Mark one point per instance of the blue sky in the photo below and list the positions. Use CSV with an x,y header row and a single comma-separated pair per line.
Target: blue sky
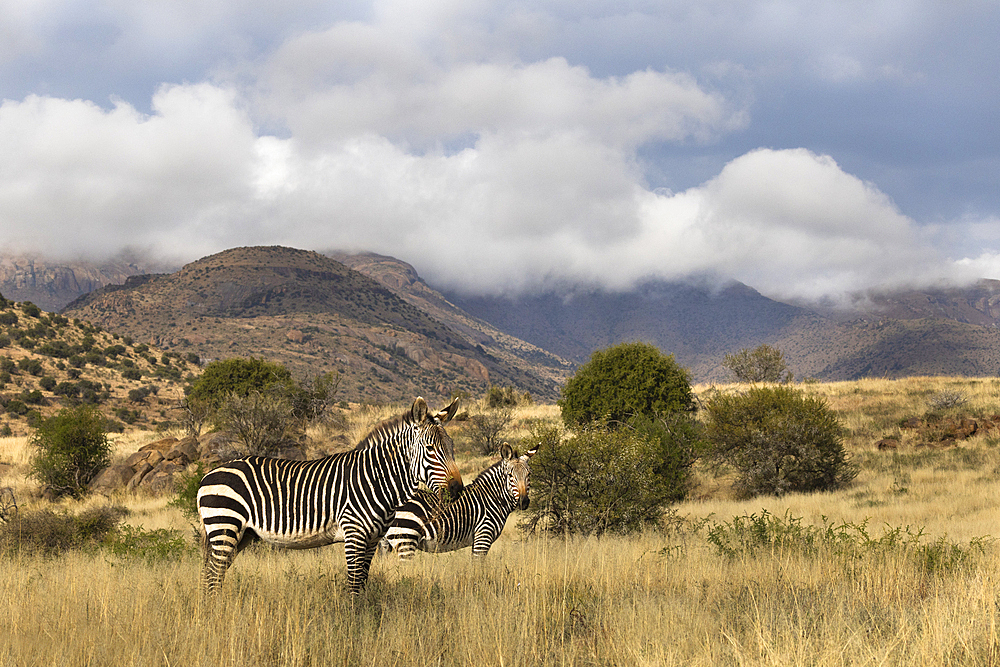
x,y
808,149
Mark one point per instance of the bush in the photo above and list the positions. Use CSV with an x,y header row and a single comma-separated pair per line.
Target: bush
x,y
486,430
779,440
505,397
603,480
761,364
238,376
186,485
70,449
45,532
261,423
624,381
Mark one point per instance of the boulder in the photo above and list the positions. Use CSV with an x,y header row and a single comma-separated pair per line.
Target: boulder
x,y
141,471
150,456
164,445
112,478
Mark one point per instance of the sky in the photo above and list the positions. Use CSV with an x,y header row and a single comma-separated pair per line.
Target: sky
x,y
810,149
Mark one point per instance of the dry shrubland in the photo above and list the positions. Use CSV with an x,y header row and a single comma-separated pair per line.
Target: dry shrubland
x,y
898,568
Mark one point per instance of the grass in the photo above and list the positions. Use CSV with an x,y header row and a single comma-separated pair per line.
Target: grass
x,y
900,568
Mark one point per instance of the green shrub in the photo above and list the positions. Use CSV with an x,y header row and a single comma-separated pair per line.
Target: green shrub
x,y
779,440
238,376
70,448
761,364
624,381
134,543
603,480
186,489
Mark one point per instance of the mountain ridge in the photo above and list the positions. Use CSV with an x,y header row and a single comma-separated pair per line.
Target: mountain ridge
x,y
535,341
311,313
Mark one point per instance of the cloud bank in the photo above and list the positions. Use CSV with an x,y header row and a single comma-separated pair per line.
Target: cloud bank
x,y
424,134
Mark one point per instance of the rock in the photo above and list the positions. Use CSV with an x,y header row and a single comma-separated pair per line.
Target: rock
x,y
161,480
186,450
164,445
112,478
887,444
150,456
141,471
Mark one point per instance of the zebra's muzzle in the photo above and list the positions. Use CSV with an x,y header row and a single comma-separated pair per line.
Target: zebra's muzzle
x,y
523,502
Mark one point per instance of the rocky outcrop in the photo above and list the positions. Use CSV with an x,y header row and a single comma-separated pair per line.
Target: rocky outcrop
x,y
153,468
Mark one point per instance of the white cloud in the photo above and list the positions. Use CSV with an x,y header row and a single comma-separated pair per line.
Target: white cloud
x,y
497,146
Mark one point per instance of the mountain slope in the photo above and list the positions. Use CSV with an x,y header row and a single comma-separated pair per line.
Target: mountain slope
x,y
402,279
51,285
698,323
309,312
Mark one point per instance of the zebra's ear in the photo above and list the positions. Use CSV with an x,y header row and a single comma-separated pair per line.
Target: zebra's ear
x,y
528,454
506,452
445,415
419,410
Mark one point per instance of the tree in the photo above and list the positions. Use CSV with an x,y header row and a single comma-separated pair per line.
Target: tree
x,y
70,448
624,381
761,364
608,480
779,440
486,429
238,376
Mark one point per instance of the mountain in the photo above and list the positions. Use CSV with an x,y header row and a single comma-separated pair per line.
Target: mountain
x,y
51,285
394,334
402,279
309,312
697,322
937,332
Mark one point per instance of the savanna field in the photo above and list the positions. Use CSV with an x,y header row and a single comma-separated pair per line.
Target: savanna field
x,y
901,567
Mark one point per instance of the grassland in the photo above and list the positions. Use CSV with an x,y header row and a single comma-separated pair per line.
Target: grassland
x,y
899,568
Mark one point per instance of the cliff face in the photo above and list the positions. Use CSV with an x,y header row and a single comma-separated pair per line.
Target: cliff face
x,y
51,285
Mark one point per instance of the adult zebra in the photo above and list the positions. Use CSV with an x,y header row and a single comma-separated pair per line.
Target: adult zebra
x,y
347,497
477,518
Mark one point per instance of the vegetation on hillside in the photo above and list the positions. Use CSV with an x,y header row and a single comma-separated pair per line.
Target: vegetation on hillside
x,y
49,362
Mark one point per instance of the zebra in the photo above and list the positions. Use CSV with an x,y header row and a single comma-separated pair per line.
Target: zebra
x,y
476,518
347,497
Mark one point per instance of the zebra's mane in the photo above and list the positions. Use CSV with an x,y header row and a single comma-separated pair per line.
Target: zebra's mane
x,y
484,471
384,428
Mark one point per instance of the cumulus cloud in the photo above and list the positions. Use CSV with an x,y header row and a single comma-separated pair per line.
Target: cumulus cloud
x,y
476,141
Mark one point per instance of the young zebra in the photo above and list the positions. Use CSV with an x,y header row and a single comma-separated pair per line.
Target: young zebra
x,y
476,518
347,497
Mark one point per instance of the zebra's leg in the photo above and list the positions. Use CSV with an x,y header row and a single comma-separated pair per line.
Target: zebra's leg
x,y
219,549
359,553
482,542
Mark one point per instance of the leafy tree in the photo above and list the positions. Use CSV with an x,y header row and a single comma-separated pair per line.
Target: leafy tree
x,y
761,364
70,448
601,480
779,440
624,381
238,376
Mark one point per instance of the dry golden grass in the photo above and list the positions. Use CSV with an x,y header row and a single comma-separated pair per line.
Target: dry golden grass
x,y
660,598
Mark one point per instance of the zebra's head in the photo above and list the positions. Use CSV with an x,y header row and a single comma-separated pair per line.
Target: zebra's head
x,y
519,474
434,460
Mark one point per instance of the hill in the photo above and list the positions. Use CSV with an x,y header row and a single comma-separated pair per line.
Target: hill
x,y
309,312
48,361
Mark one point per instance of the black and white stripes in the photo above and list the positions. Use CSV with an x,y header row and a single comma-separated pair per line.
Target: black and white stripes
x,y
476,519
348,497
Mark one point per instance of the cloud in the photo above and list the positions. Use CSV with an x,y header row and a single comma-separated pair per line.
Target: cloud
x,y
496,146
